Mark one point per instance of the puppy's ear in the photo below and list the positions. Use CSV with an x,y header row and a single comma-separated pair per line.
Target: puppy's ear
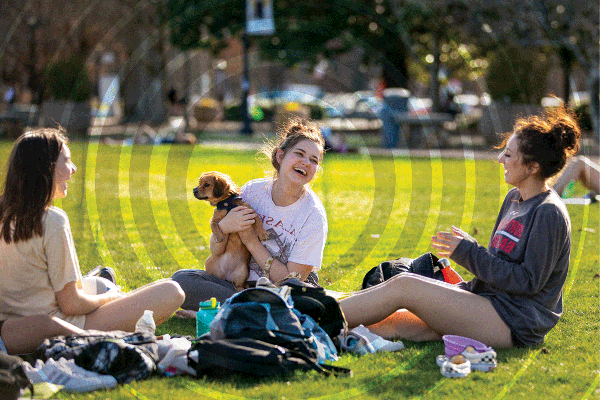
x,y
219,187
233,188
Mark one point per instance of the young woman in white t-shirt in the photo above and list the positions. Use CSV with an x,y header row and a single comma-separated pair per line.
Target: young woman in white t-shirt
x,y
290,211
39,269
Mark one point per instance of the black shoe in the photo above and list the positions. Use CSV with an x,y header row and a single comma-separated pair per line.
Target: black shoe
x,y
108,273
104,272
592,196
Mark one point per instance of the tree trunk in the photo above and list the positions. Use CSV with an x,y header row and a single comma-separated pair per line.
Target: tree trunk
x,y
395,68
435,70
566,58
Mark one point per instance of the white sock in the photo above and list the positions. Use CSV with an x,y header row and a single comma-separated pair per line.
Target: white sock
x,y
380,344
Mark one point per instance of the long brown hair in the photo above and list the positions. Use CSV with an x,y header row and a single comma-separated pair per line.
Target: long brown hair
x,y
29,185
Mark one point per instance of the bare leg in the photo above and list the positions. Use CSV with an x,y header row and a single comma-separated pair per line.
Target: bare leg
x,y
24,334
582,169
404,325
445,308
162,297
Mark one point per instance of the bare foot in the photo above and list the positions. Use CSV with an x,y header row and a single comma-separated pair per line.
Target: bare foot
x,y
185,314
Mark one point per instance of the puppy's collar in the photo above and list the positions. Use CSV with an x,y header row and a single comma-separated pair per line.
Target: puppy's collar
x,y
229,203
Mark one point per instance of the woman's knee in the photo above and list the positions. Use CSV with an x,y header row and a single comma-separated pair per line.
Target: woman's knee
x,y
173,291
404,280
186,277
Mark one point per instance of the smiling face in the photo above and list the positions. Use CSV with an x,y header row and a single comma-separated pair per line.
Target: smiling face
x,y
515,171
63,171
300,163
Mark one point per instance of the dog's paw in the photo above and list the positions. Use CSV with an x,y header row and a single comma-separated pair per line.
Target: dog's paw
x,y
218,237
264,236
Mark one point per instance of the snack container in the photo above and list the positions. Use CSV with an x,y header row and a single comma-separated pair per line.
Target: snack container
x,y
206,313
457,344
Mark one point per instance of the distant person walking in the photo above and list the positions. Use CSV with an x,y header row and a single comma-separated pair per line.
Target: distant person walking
x,y
10,97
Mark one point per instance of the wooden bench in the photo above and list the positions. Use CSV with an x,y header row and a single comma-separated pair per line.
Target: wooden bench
x,y
419,130
13,122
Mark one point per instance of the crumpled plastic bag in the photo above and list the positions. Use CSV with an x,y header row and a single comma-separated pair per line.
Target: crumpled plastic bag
x,y
172,353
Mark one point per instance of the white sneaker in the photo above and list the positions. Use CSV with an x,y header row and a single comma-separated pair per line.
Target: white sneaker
x,y
380,344
456,367
355,343
67,374
484,361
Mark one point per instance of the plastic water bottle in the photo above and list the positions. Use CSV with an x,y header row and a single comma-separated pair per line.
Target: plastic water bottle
x,y
569,190
206,313
146,323
450,275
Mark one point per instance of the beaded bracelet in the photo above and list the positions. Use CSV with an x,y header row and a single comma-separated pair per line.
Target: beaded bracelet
x,y
268,265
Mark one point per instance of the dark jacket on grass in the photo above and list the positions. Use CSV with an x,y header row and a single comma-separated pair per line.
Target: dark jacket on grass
x,y
524,268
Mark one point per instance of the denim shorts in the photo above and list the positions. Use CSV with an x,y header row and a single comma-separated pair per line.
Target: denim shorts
x,y
2,347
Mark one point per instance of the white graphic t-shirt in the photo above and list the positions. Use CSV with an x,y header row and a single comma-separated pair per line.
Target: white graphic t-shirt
x,y
297,232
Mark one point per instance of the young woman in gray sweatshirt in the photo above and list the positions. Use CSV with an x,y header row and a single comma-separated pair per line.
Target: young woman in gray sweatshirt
x,y
516,295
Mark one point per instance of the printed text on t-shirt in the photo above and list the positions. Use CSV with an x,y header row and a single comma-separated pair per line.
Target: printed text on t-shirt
x,y
269,222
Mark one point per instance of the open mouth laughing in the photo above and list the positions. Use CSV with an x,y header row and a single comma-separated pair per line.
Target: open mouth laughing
x,y
300,171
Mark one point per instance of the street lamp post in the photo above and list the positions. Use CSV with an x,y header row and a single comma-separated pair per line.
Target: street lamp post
x,y
32,23
186,71
247,127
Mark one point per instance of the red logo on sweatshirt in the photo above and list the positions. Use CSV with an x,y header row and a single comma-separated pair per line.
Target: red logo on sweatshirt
x,y
507,236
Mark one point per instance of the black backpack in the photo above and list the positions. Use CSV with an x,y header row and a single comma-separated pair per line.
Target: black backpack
x,y
425,265
220,358
266,313
12,377
320,306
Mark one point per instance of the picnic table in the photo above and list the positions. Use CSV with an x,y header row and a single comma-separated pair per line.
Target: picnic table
x,y
13,122
419,130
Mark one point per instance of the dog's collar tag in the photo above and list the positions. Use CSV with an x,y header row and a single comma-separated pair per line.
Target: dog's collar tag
x,y
229,203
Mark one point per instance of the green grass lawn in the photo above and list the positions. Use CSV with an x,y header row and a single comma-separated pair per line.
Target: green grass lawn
x,y
132,208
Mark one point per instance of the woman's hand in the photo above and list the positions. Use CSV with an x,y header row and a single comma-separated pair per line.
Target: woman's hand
x,y
111,295
237,220
446,242
74,301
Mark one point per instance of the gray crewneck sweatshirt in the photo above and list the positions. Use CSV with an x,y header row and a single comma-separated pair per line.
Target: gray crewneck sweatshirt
x,y
524,268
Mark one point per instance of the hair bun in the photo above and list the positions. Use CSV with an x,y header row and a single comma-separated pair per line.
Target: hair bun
x,y
566,132
294,128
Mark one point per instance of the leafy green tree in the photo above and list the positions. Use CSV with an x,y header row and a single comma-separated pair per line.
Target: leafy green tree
x,y
518,82
569,28
305,31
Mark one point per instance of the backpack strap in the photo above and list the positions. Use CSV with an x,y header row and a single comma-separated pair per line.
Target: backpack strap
x,y
338,371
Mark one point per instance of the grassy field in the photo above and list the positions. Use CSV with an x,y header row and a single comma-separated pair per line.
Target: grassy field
x,y
132,208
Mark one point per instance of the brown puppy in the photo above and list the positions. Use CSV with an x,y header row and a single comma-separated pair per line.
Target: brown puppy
x,y
220,191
